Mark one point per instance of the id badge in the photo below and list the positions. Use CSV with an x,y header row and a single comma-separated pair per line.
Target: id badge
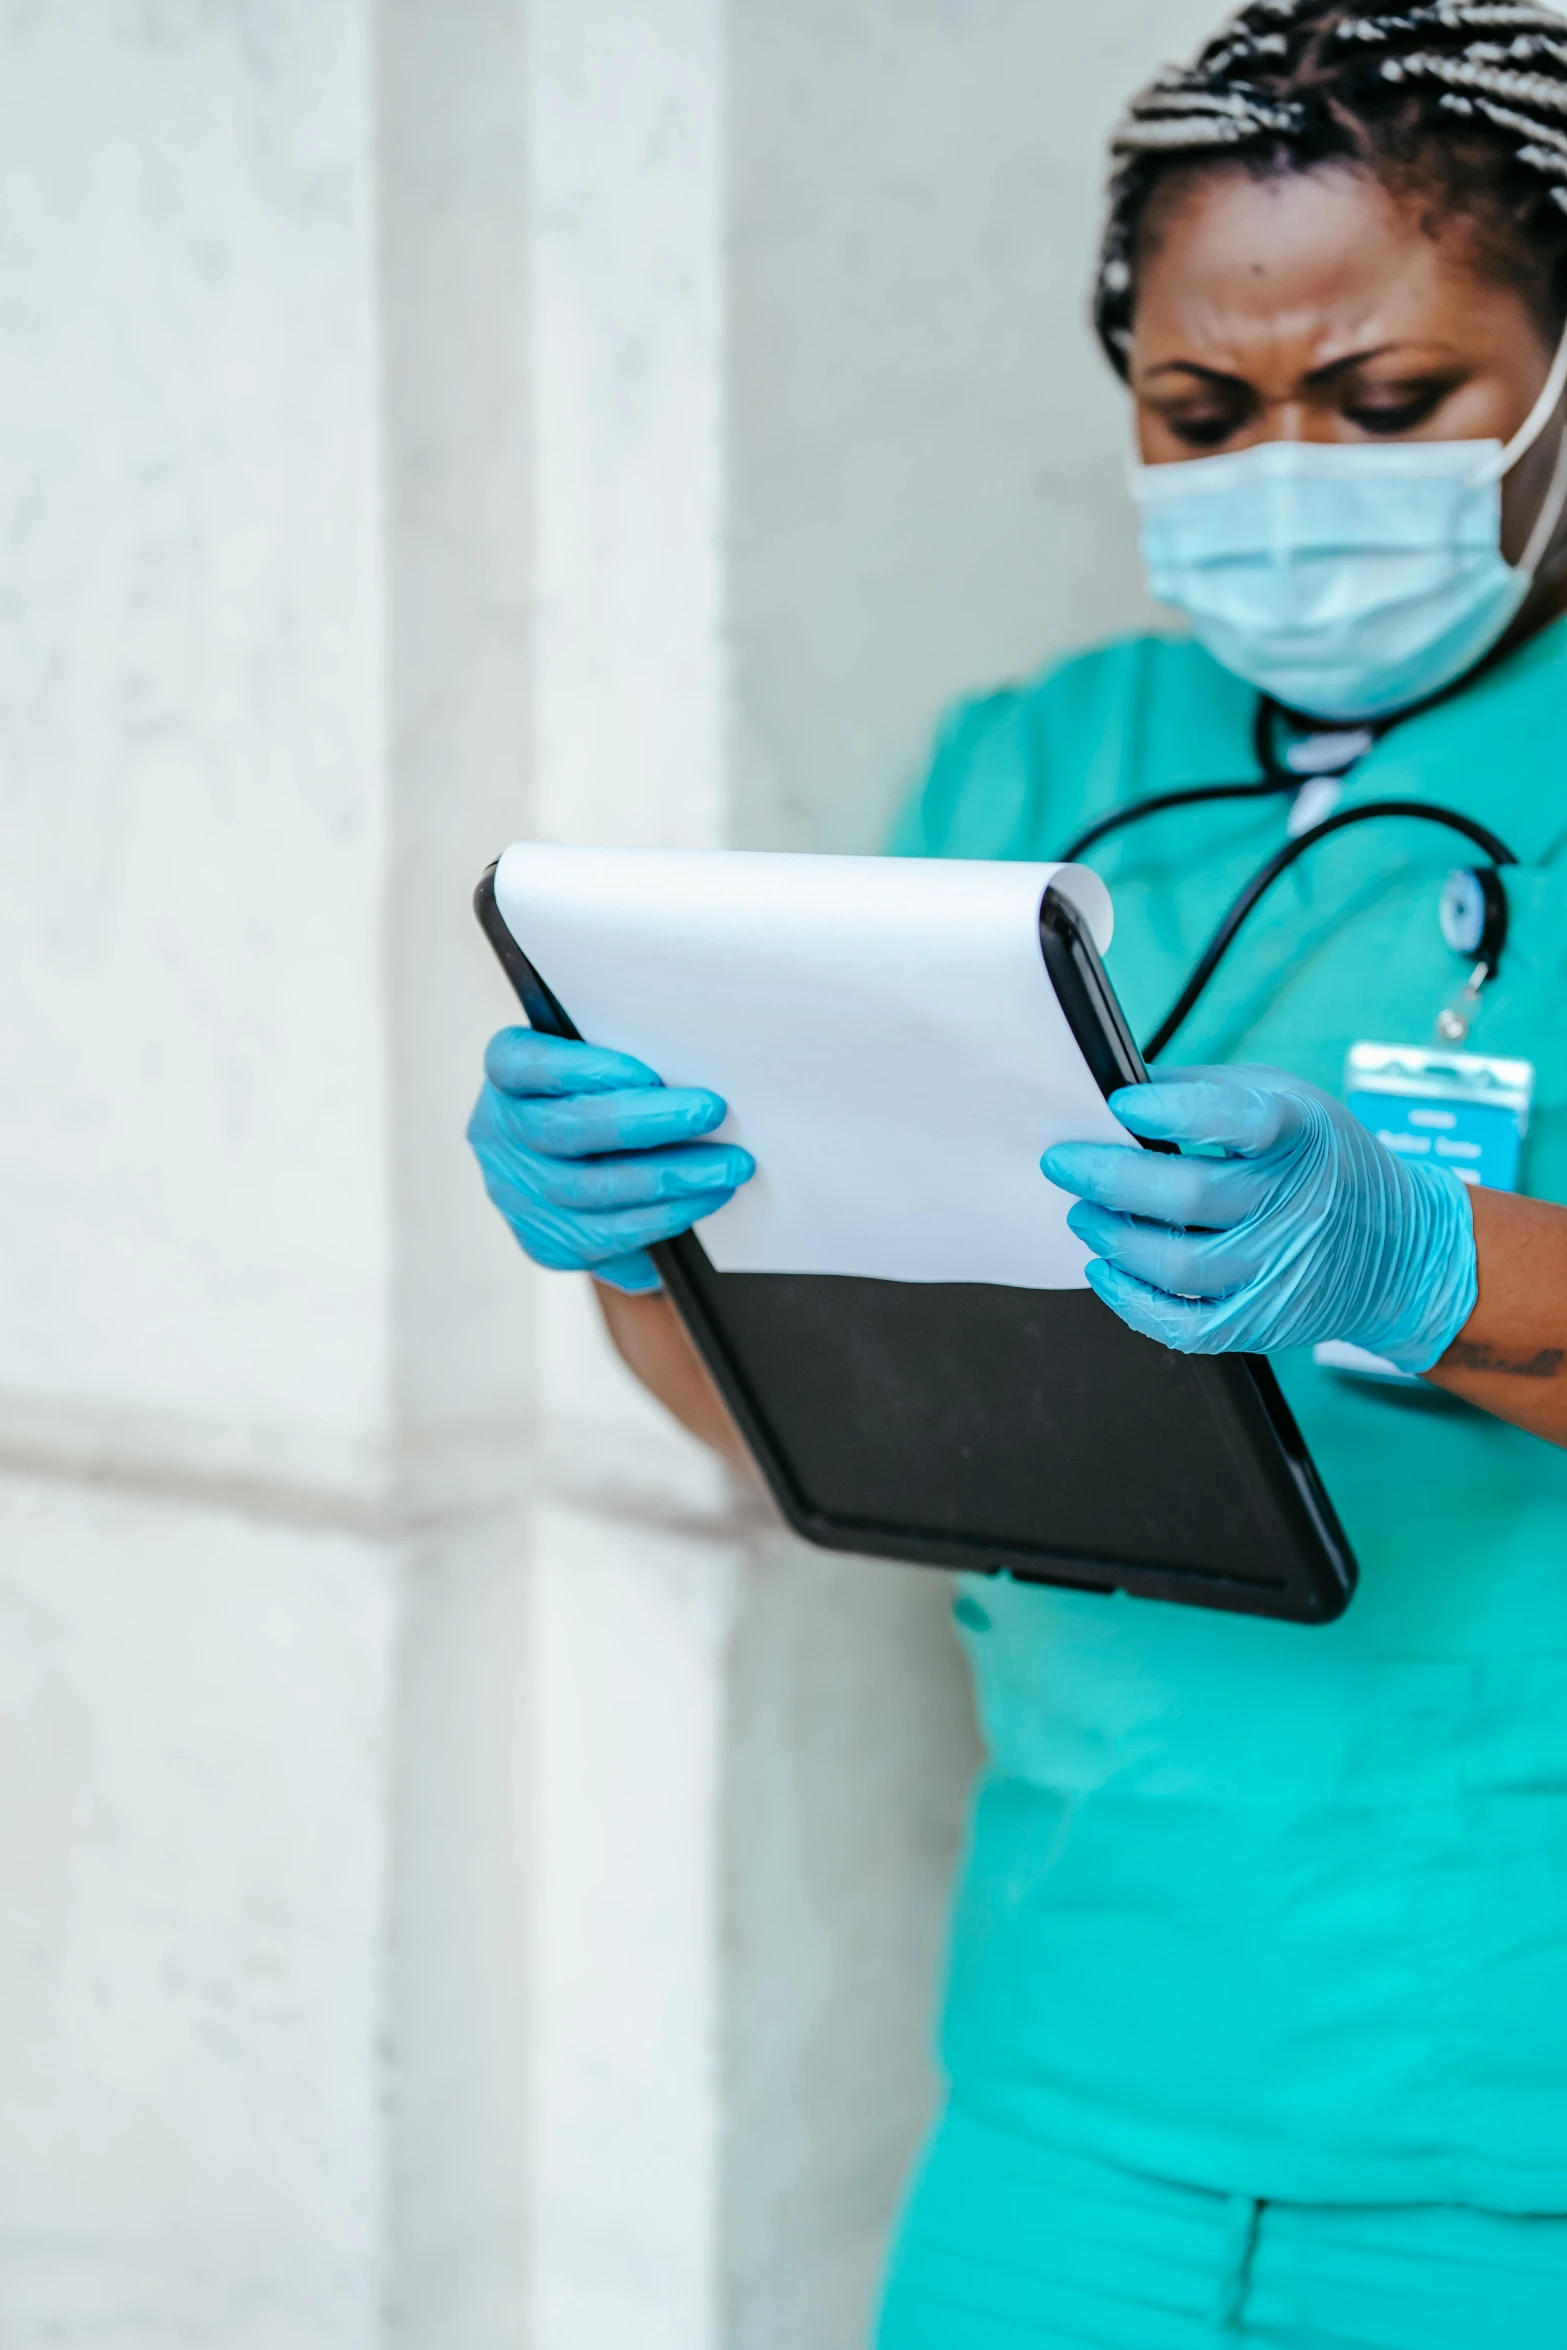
x,y
1465,1111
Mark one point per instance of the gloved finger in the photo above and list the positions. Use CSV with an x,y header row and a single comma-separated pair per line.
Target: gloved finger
x,y
1223,1108
1211,1192
525,1061
632,1179
635,1275
590,1125
1164,1257
1177,1322
568,1242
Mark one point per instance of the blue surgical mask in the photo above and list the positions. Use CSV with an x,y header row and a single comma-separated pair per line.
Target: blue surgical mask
x,y
1347,582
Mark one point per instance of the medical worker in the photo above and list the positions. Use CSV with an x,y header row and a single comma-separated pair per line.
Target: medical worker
x,y
1255,2025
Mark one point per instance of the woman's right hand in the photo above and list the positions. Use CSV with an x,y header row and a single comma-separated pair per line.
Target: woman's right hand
x,y
591,1158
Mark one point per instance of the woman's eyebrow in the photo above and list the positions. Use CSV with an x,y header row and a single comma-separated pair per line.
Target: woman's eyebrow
x,y
1314,378
1212,375
1333,367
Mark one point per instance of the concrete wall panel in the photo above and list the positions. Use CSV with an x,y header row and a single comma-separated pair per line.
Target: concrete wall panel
x,y
627,2120
626,145
192,835
851,1746
927,447
193,1872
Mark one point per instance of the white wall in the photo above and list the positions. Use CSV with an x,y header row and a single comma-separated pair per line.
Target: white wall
x,y
465,1878
450,93
193,1759
195,1190
191,731
929,450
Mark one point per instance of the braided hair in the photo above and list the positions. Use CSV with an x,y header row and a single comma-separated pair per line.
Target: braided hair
x,y
1461,100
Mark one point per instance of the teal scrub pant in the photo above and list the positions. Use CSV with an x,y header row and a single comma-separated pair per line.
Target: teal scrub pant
x,y
1006,2246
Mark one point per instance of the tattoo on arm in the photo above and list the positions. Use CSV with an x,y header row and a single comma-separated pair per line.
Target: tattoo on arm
x,y
1466,1355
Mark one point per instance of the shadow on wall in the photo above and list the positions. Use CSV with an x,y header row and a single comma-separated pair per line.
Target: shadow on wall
x,y
927,449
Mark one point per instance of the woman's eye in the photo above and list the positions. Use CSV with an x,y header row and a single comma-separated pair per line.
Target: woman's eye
x,y
1206,431
1396,416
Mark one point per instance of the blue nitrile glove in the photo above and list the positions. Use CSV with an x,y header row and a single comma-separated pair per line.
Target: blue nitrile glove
x,y
1303,1228
590,1158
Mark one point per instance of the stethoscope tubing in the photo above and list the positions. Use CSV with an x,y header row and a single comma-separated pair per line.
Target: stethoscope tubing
x,y
1263,879
1275,778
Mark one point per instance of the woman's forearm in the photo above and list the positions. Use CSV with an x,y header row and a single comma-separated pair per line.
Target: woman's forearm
x,y
651,1340
1511,1356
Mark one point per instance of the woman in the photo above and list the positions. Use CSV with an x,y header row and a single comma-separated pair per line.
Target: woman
x,y
1259,1968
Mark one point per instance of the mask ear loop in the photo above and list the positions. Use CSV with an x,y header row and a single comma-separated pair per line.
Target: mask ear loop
x,y
1518,447
1538,417
1549,516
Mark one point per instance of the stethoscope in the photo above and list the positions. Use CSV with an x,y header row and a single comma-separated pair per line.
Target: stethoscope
x,y
1473,911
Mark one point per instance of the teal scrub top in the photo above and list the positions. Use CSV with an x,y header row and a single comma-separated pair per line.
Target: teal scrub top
x,y
1274,1910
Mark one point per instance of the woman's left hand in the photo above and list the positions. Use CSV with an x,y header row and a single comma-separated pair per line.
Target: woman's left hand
x,y
1299,1226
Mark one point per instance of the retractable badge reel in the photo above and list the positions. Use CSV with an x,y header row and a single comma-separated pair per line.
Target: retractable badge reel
x,y
1456,1109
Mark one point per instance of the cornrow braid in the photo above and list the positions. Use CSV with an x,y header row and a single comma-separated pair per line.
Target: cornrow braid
x,y
1468,97
1465,73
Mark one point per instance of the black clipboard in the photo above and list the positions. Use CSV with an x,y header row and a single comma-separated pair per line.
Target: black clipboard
x,y
999,1430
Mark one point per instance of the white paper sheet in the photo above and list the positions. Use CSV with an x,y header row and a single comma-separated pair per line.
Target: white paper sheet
x,y
883,1030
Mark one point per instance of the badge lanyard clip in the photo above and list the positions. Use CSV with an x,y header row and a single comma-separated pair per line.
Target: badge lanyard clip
x,y
1456,1018
1473,916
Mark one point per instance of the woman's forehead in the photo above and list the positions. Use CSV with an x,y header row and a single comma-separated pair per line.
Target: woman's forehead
x,y
1241,269
1461,107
